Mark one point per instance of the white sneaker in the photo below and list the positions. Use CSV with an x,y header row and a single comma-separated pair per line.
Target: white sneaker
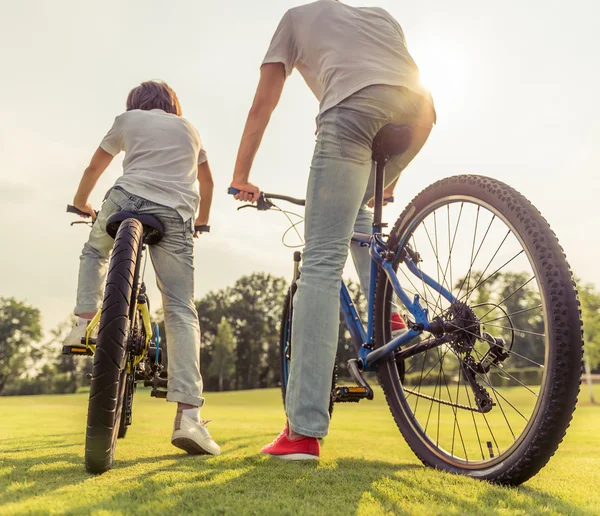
x,y
193,437
77,333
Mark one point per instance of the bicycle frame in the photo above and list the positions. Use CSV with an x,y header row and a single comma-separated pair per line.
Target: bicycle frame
x,y
380,262
142,307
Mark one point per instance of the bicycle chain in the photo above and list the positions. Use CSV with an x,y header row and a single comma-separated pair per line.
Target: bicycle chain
x,y
442,402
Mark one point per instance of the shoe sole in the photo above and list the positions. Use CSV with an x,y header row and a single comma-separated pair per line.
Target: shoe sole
x,y
294,456
190,446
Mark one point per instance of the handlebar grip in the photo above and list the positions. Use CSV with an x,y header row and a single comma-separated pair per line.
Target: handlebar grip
x,y
389,199
233,191
72,209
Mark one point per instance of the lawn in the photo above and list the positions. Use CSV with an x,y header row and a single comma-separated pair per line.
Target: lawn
x,y
366,468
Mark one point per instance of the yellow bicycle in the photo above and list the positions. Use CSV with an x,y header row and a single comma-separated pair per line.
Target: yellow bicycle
x,y
126,349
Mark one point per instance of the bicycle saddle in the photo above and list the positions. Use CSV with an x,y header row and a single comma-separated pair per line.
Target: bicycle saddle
x,y
391,140
153,228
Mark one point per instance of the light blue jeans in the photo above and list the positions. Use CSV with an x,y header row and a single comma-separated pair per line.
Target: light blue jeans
x,y
340,184
173,260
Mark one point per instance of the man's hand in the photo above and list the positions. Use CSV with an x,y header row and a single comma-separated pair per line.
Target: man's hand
x,y
387,193
248,191
87,208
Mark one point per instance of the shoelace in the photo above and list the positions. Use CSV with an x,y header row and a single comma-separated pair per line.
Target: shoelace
x,y
281,434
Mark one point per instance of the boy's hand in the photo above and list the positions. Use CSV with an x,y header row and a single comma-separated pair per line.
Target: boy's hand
x,y
87,208
199,222
387,193
248,191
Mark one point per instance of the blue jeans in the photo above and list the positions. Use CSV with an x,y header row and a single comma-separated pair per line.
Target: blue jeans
x,y
173,261
340,184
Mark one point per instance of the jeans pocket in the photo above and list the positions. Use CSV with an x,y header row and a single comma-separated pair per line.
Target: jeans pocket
x,y
177,238
355,130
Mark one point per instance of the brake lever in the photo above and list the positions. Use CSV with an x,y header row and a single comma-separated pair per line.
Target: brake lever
x,y
247,206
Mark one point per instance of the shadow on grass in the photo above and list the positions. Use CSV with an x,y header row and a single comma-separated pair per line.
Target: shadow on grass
x,y
176,483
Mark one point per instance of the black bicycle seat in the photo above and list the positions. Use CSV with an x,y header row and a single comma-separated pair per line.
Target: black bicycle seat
x,y
153,228
391,140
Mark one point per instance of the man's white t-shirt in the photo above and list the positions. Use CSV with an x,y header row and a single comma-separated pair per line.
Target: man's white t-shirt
x,y
340,50
162,153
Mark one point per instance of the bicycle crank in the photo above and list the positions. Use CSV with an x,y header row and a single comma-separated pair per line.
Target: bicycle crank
x,y
353,394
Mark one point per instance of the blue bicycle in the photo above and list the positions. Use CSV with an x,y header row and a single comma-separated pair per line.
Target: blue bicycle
x,y
485,379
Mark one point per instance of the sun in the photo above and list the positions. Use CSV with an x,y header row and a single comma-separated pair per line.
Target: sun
x,y
444,71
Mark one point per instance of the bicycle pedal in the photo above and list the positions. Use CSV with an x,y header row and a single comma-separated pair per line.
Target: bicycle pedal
x,y
347,394
91,341
76,350
155,383
155,393
355,370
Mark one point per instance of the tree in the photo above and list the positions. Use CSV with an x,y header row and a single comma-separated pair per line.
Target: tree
x,y
255,306
19,328
222,365
590,312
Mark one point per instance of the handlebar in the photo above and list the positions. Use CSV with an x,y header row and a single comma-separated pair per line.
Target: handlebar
x,y
77,211
263,203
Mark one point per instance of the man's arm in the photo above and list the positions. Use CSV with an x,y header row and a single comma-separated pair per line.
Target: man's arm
x,y
206,193
268,92
100,161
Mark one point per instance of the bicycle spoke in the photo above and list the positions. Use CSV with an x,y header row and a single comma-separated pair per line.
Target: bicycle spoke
x,y
513,293
471,260
454,409
488,383
508,374
509,351
421,271
492,275
479,248
517,330
438,265
473,414
507,315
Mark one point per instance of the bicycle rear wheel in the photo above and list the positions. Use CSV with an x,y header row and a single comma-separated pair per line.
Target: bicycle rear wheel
x,y
109,372
495,401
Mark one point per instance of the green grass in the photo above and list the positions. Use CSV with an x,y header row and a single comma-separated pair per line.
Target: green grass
x,y
366,468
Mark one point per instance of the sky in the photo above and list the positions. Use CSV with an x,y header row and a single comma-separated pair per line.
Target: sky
x,y
515,84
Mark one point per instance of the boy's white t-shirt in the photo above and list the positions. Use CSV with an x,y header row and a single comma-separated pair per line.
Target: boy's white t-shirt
x,y
340,49
162,153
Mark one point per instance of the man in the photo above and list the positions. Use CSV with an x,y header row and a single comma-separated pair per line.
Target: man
x,y
356,63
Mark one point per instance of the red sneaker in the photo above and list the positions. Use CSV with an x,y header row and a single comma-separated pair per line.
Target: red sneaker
x,y
305,448
397,322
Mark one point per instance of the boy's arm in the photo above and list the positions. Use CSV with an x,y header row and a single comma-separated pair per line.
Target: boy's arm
x,y
270,86
100,161
206,192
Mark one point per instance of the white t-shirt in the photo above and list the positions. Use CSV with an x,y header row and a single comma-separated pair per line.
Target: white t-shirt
x,y
340,50
162,153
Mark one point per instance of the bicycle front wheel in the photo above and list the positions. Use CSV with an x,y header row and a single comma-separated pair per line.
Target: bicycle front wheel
x,y
109,372
494,401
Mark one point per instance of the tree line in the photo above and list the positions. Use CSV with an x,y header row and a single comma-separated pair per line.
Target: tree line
x,y
240,336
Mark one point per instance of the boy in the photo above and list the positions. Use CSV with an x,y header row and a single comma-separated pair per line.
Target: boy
x,y
164,159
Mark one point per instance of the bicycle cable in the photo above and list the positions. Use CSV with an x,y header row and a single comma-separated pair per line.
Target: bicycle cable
x,y
294,226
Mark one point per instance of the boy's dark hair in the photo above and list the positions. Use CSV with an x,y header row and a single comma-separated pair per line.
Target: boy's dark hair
x,y
154,95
